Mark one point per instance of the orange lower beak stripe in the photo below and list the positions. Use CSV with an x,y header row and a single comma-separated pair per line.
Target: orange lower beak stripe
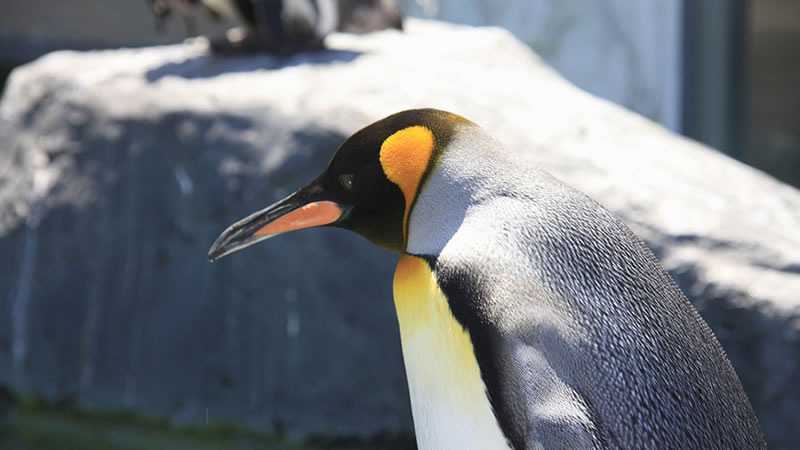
x,y
311,215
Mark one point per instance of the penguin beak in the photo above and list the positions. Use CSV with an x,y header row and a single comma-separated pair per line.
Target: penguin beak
x,y
304,209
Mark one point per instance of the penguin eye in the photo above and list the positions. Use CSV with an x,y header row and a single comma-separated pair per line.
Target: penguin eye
x,y
346,180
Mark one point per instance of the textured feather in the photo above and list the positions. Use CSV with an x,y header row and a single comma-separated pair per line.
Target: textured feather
x,y
582,339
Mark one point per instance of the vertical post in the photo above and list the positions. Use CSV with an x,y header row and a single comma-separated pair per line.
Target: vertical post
x,y
714,88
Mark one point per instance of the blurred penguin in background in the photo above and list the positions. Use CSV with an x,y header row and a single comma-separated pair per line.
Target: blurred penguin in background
x,y
280,26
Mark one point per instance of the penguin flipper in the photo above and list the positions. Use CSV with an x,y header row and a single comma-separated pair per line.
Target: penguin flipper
x,y
534,407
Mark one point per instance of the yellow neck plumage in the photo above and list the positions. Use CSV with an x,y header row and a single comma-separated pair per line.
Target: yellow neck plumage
x,y
448,397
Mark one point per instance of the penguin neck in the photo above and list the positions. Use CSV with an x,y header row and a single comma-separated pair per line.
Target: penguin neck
x,y
468,173
448,397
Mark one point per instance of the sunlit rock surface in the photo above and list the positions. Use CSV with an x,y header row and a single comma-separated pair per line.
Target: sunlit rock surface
x,y
119,168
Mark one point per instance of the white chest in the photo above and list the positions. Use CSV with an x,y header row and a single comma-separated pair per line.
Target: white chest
x,y
448,398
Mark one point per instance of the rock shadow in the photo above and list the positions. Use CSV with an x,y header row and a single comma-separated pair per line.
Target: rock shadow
x,y
210,66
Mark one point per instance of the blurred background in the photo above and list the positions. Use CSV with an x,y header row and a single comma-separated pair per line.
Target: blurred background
x,y
721,72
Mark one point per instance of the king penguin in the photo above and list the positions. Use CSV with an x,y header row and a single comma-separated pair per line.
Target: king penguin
x,y
530,317
282,26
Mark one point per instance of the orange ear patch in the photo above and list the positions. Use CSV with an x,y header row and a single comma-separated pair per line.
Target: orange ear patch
x,y
404,157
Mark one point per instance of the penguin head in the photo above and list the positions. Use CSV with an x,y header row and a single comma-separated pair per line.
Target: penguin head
x,y
369,187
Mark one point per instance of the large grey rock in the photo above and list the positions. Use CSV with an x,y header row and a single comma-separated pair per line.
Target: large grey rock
x,y
120,167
